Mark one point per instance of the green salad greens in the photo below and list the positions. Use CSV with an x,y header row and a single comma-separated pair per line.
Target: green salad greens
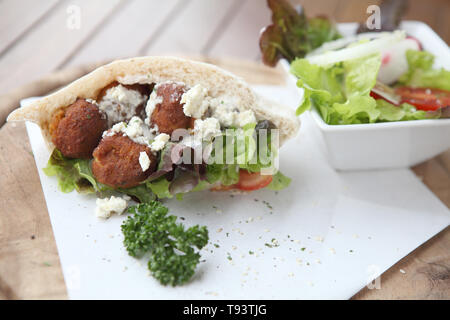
x,y
279,182
422,74
172,250
341,92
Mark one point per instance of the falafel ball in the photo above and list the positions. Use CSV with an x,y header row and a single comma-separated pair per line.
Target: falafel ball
x,y
77,130
169,115
116,162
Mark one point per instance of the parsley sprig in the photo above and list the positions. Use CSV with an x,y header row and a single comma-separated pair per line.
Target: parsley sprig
x,y
171,247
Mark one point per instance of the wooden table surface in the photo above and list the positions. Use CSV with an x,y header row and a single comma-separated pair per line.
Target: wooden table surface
x,y
35,40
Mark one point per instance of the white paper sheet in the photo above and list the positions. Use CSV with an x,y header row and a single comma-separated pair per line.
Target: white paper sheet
x,y
336,232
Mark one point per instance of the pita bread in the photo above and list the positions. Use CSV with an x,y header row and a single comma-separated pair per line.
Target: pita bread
x,y
144,70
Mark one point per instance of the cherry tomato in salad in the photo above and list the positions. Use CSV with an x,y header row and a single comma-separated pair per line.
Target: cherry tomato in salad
x,y
423,98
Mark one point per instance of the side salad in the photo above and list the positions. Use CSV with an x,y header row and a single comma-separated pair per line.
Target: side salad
x,y
368,78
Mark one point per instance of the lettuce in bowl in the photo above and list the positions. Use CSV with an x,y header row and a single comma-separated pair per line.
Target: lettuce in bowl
x,y
341,91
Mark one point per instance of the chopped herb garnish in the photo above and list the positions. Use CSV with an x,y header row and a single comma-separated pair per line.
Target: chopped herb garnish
x,y
267,205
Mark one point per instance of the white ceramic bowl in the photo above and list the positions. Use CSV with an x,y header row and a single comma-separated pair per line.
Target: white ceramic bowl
x,y
388,144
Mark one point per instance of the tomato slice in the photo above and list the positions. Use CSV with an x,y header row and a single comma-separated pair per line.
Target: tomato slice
x,y
424,98
250,181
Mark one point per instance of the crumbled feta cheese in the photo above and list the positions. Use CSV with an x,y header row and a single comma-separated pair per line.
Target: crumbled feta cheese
x,y
159,142
206,129
151,104
107,206
194,101
144,160
245,117
135,130
225,114
92,101
154,129
229,115
192,142
120,103
117,128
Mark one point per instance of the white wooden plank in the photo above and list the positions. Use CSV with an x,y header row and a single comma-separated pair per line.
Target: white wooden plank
x,y
192,29
126,32
241,35
17,16
43,49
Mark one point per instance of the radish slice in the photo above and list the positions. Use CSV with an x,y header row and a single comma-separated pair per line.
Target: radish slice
x,y
358,51
394,62
344,42
387,93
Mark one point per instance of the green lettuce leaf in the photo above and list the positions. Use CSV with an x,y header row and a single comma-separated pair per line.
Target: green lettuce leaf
x,y
202,185
389,112
160,187
322,85
341,92
142,192
248,153
279,182
226,174
421,73
71,173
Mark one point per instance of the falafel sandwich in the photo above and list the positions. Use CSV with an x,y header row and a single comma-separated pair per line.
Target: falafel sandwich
x,y
158,127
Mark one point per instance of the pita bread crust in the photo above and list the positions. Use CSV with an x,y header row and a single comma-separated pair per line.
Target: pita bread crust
x,y
220,84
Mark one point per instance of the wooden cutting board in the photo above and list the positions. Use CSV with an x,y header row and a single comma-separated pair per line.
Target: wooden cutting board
x,y
29,262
